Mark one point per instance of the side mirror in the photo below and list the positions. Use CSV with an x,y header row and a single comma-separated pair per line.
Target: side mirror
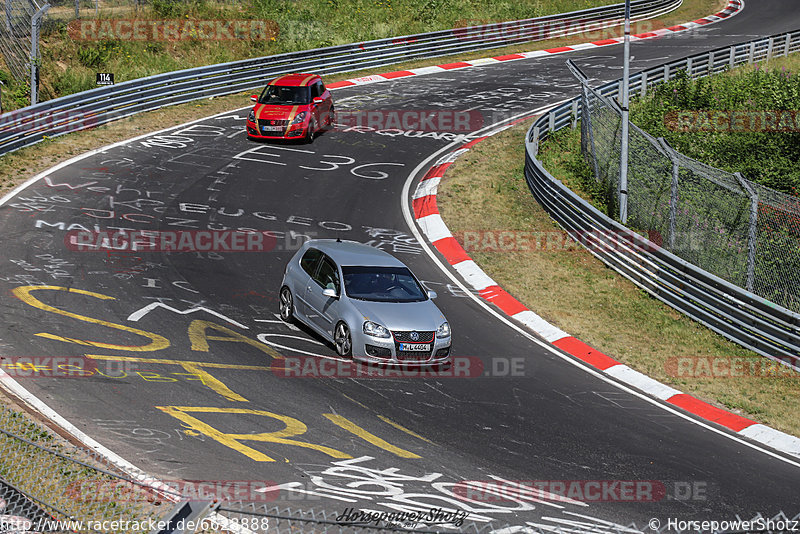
x,y
432,295
318,100
254,98
330,293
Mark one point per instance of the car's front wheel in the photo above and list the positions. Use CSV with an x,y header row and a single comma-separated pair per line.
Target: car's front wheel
x,y
312,131
343,341
287,305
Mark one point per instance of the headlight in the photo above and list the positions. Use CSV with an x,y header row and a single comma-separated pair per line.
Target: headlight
x,y
376,330
443,330
252,116
299,118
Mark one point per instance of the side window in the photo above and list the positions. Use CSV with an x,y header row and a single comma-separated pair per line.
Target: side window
x,y
316,90
327,276
309,261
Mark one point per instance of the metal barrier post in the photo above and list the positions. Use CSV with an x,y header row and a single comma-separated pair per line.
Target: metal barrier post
x,y
788,46
732,59
752,234
35,24
710,63
770,46
574,114
689,67
643,91
673,196
590,128
752,54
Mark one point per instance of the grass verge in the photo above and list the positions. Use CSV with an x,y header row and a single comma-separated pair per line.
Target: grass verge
x,y
573,290
70,62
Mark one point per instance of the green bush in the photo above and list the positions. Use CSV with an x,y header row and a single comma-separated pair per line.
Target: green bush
x,y
769,158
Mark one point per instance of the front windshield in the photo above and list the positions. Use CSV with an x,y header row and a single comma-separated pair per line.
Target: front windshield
x,y
281,95
382,284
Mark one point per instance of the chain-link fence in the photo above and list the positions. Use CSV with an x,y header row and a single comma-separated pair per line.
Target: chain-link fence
x,y
44,479
16,33
744,233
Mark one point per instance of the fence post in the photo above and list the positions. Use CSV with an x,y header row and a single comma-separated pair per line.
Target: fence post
x,y
770,47
643,92
673,192
732,59
535,141
711,63
752,234
666,72
587,120
35,24
788,46
574,114
551,123
689,67
751,55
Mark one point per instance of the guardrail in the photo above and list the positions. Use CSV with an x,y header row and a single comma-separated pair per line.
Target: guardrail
x,y
738,314
95,107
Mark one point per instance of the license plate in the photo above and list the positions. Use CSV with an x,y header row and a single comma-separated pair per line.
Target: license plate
x,y
415,347
272,128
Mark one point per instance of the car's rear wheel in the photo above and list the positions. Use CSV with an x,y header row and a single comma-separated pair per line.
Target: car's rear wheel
x,y
287,305
343,341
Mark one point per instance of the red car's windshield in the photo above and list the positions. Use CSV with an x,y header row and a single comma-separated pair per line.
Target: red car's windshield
x,y
281,95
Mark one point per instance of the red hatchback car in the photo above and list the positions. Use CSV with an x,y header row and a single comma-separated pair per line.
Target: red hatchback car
x,y
294,106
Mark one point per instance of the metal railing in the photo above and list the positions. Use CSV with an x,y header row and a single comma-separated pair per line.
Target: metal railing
x,y
95,107
736,313
44,479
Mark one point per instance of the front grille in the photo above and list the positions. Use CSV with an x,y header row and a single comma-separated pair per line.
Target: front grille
x,y
413,356
272,122
405,337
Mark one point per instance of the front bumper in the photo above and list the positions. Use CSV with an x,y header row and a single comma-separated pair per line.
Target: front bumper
x,y
292,131
382,350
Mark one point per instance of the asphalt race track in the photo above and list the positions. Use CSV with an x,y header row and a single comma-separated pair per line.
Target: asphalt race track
x,y
192,396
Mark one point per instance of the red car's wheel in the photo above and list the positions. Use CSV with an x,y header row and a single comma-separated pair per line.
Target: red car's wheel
x,y
312,131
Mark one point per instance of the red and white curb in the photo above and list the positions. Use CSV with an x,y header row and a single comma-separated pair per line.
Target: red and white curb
x,y
733,7
426,213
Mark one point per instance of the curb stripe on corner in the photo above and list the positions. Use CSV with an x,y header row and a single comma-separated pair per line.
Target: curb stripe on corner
x,y
430,222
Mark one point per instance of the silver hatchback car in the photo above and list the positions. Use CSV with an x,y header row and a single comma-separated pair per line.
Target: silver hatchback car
x,y
366,302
